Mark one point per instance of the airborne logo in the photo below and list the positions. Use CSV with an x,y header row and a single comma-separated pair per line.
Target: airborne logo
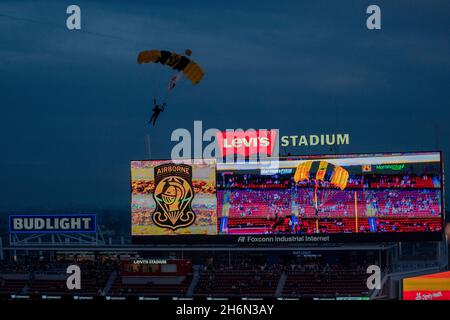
x,y
173,196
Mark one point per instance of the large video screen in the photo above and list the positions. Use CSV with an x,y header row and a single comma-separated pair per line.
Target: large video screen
x,y
173,198
318,198
352,194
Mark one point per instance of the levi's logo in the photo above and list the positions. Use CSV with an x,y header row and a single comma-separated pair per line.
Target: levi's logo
x,y
250,142
246,142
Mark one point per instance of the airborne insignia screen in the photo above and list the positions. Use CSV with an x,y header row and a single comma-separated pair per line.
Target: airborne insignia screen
x,y
173,198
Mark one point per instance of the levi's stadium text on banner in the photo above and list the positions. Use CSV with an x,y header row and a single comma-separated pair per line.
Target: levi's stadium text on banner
x,y
306,199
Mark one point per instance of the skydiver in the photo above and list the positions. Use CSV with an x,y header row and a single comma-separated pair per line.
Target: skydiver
x,y
156,111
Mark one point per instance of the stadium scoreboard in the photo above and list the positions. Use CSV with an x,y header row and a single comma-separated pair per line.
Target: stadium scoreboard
x,y
309,199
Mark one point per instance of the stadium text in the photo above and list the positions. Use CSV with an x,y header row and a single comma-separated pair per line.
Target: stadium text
x,y
150,261
315,140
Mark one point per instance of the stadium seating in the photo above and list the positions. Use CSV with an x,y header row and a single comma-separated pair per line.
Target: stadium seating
x,y
325,283
237,282
146,287
9,286
270,211
257,203
50,278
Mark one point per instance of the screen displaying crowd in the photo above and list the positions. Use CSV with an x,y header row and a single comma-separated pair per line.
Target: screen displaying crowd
x,y
328,194
383,193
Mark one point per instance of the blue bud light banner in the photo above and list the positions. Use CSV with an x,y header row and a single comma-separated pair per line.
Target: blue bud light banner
x,y
70,223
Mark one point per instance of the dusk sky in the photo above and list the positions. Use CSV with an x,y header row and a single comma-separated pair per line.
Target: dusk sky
x,y
75,104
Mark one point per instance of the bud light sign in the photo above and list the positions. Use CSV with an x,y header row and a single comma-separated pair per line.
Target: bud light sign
x,y
72,223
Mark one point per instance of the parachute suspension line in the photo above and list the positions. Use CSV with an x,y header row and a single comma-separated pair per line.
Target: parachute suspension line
x,y
168,91
152,84
180,84
154,88
158,80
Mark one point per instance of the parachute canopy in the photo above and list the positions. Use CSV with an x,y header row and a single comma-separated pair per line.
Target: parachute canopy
x,y
176,61
321,171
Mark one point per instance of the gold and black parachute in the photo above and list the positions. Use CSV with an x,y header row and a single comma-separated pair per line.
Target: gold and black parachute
x,y
181,63
322,171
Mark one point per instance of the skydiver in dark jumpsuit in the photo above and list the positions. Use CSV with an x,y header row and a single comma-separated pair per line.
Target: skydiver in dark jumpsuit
x,y
156,111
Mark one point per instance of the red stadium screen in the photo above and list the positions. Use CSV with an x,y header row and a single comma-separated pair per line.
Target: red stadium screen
x,y
331,198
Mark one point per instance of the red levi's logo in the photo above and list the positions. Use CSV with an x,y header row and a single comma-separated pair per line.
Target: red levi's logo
x,y
247,143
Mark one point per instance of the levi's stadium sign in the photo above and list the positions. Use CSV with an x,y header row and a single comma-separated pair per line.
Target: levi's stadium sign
x,y
71,223
247,143
265,142
262,144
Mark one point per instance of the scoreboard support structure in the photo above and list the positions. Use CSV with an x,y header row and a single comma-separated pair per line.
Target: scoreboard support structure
x,y
56,239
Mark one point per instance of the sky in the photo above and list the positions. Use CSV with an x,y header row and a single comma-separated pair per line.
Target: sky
x,y
75,104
